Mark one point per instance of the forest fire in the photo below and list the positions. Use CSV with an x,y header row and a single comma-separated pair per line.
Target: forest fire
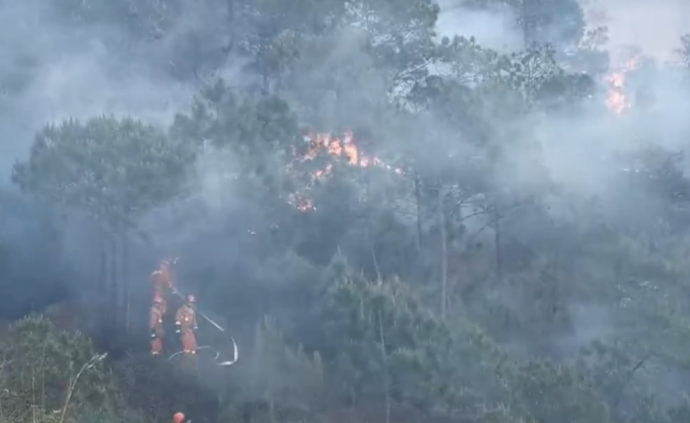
x,y
618,100
345,148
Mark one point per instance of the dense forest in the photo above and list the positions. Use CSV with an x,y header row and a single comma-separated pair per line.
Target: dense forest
x,y
393,225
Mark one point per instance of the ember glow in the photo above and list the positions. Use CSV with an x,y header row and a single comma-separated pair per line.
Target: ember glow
x,y
344,147
618,100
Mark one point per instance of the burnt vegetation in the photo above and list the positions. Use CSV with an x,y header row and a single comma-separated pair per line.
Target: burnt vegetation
x,y
477,239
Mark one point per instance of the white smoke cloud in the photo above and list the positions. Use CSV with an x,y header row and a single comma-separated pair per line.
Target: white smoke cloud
x,y
494,29
653,27
52,71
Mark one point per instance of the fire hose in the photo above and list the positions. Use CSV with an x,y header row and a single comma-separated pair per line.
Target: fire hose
x,y
235,352
203,347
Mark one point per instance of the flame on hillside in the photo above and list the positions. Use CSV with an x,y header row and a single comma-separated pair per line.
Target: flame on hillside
x,y
345,148
617,99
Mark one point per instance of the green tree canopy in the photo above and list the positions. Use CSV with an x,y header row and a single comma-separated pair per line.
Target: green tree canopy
x,y
110,168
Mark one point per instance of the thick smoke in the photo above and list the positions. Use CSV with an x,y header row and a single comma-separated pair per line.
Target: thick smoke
x,y
58,71
653,28
51,71
580,152
495,29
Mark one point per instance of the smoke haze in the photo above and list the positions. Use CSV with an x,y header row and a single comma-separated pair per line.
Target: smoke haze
x,y
51,70
655,28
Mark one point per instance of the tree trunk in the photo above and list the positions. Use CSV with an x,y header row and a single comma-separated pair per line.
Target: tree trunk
x,y
124,256
113,295
498,241
444,251
418,200
265,82
529,21
102,257
103,276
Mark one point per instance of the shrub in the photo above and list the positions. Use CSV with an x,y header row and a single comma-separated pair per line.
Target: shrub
x,y
39,367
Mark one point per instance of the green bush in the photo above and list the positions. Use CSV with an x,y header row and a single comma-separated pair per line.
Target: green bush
x,y
379,342
39,368
276,382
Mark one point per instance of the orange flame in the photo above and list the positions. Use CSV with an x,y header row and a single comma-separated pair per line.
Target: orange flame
x,y
617,99
345,148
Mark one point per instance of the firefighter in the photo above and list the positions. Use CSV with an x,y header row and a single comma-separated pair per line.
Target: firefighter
x,y
178,418
156,325
161,280
186,326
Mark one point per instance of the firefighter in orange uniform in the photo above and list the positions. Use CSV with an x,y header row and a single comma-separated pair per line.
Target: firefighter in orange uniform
x,y
156,325
161,280
185,323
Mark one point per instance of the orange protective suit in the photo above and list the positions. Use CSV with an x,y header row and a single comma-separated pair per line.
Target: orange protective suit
x,y
162,280
185,322
156,325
